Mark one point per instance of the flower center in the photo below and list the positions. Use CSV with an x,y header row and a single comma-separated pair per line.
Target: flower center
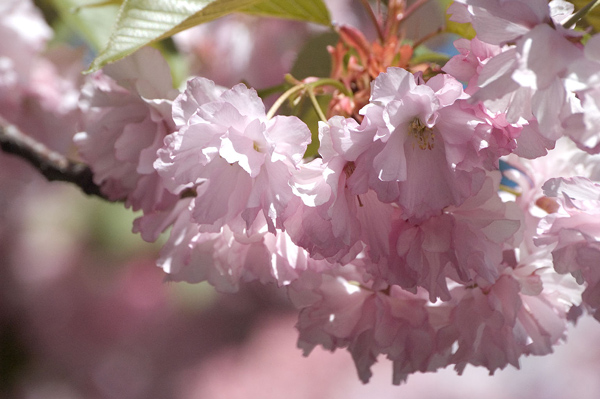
x,y
349,168
421,133
548,204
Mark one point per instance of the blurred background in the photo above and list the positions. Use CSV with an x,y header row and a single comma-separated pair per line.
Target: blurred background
x,y
84,311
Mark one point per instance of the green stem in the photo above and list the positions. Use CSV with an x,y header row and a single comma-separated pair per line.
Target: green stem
x,y
309,87
77,9
282,99
580,14
315,103
332,82
266,92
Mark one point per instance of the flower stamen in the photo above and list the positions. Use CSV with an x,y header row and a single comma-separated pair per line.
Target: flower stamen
x,y
423,134
550,205
349,168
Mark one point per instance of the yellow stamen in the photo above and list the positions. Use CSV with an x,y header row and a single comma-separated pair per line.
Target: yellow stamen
x,y
423,134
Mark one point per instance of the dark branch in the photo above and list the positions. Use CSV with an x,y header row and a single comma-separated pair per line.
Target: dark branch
x,y
54,166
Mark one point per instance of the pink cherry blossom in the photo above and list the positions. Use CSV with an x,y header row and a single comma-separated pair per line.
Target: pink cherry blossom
x,y
338,312
238,162
502,21
508,132
523,312
218,258
583,78
454,220
236,165
467,65
126,116
519,83
464,244
575,229
495,325
420,129
227,259
259,51
341,216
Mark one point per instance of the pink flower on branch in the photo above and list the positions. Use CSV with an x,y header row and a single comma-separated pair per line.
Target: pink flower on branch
x,y
126,116
424,155
236,165
237,161
400,237
523,312
574,232
464,244
502,21
340,215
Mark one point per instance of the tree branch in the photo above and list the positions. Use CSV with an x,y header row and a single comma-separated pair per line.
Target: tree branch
x,y
54,166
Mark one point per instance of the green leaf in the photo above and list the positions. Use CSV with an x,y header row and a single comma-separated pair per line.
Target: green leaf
x,y
464,30
314,59
311,11
142,22
93,24
592,19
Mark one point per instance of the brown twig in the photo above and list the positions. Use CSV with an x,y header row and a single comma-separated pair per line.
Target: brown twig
x,y
428,36
413,7
374,20
52,165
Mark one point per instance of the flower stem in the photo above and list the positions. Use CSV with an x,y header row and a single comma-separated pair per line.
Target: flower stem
x,y
266,92
580,14
77,9
282,99
315,103
374,19
413,7
433,34
309,87
334,83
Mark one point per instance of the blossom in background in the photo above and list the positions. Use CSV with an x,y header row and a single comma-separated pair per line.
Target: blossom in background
x,y
39,86
259,51
20,46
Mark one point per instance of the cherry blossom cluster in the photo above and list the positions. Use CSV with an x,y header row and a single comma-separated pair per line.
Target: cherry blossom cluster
x,y
454,221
